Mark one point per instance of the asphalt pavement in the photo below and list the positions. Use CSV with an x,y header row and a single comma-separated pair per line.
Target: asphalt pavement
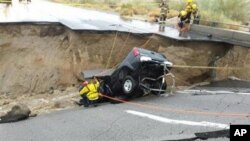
x,y
91,20
153,118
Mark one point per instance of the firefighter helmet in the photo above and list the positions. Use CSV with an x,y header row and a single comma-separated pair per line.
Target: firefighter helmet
x,y
194,6
183,13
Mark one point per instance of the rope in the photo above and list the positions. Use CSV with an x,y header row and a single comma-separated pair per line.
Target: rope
x,y
111,52
120,52
206,67
144,45
103,72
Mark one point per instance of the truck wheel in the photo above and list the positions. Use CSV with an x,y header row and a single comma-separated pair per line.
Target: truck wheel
x,y
129,85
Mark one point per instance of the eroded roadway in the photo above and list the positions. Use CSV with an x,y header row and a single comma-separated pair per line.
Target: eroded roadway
x,y
84,19
155,118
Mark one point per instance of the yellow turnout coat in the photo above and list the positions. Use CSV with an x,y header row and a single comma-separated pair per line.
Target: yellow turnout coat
x,y
91,91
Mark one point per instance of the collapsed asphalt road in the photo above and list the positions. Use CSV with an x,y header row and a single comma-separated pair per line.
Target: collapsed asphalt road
x,y
123,121
91,20
172,120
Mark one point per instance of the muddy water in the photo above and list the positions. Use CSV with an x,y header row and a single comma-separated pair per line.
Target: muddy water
x,y
38,58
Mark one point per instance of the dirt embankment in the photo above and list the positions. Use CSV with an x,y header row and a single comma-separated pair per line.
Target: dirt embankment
x,y
231,60
194,54
38,60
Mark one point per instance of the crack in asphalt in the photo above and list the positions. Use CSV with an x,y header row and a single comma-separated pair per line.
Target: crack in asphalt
x,y
242,100
183,131
230,104
219,103
236,103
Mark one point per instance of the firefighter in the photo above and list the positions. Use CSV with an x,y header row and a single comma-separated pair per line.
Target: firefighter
x,y
89,93
195,14
188,8
164,10
163,14
189,11
183,22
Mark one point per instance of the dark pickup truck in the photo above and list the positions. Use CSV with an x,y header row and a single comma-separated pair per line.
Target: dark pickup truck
x,y
141,72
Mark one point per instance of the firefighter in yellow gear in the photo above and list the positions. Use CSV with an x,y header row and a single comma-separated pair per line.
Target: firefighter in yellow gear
x,y
188,9
184,22
195,14
194,9
183,19
89,93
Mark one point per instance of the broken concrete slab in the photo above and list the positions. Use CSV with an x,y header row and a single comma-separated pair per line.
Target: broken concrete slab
x,y
220,134
213,134
217,139
18,112
227,35
181,137
89,74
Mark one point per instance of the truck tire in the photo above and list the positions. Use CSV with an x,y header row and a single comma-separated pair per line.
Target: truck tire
x,y
129,85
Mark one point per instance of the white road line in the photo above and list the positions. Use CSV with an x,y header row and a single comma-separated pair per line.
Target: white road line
x,y
184,122
211,92
244,93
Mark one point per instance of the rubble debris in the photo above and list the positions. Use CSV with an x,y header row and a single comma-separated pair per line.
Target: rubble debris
x,y
18,112
203,136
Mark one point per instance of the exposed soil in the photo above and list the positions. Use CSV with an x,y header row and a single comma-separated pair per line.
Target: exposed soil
x,y
39,63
